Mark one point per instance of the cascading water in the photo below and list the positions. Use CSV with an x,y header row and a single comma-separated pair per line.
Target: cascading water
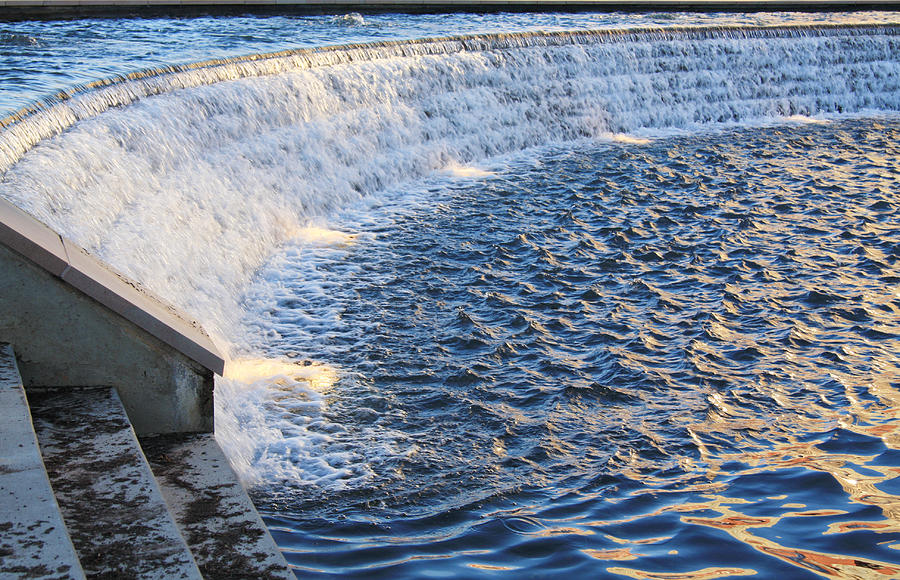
x,y
422,332
235,167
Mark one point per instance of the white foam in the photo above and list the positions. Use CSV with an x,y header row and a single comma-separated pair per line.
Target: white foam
x,y
316,235
270,421
807,120
351,19
320,378
627,139
468,172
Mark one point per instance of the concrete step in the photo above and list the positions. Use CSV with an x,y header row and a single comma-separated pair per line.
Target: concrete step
x,y
111,504
33,539
223,530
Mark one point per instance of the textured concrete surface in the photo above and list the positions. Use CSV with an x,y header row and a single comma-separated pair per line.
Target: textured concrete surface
x,y
600,4
60,257
33,539
223,530
117,519
62,337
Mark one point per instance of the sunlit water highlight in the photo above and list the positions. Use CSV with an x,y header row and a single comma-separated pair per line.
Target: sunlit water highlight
x,y
599,308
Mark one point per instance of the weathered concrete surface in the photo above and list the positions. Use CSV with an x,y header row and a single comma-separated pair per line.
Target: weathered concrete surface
x,y
223,530
60,257
64,338
742,5
33,539
117,519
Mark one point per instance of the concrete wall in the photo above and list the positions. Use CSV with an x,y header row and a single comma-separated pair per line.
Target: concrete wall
x,y
73,321
21,9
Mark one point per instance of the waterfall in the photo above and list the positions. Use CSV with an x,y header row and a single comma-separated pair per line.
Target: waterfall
x,y
186,178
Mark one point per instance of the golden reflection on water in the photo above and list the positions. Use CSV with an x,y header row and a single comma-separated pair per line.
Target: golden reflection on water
x,y
860,485
862,488
704,574
490,567
739,526
622,554
731,433
766,439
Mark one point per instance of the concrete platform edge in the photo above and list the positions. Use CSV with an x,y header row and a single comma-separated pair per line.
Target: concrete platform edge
x,y
60,257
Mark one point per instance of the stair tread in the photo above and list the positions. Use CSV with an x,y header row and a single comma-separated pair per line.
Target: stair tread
x,y
33,538
221,526
117,519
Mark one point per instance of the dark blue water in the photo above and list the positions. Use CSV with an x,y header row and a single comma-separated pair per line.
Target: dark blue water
x,y
675,359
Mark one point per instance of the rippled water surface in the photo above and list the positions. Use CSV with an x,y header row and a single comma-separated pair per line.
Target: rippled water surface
x,y
671,359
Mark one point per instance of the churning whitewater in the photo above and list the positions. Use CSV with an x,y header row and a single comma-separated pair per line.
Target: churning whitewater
x,y
255,147
610,302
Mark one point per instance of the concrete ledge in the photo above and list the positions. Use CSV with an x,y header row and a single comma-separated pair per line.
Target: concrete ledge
x,y
55,9
29,237
74,321
32,239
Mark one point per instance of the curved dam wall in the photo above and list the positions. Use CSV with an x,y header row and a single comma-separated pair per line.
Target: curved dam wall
x,y
706,51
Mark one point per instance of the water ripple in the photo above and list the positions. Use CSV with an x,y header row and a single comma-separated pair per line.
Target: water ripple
x,y
674,359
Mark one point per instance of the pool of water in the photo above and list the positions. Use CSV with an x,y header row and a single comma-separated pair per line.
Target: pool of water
x,y
675,357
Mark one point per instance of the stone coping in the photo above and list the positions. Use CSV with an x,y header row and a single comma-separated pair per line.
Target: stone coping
x,y
72,264
738,5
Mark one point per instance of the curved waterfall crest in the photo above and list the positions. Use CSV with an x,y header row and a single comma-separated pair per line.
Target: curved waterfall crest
x,y
213,166
25,128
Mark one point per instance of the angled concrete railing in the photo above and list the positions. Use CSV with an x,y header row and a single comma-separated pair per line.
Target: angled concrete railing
x,y
74,321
